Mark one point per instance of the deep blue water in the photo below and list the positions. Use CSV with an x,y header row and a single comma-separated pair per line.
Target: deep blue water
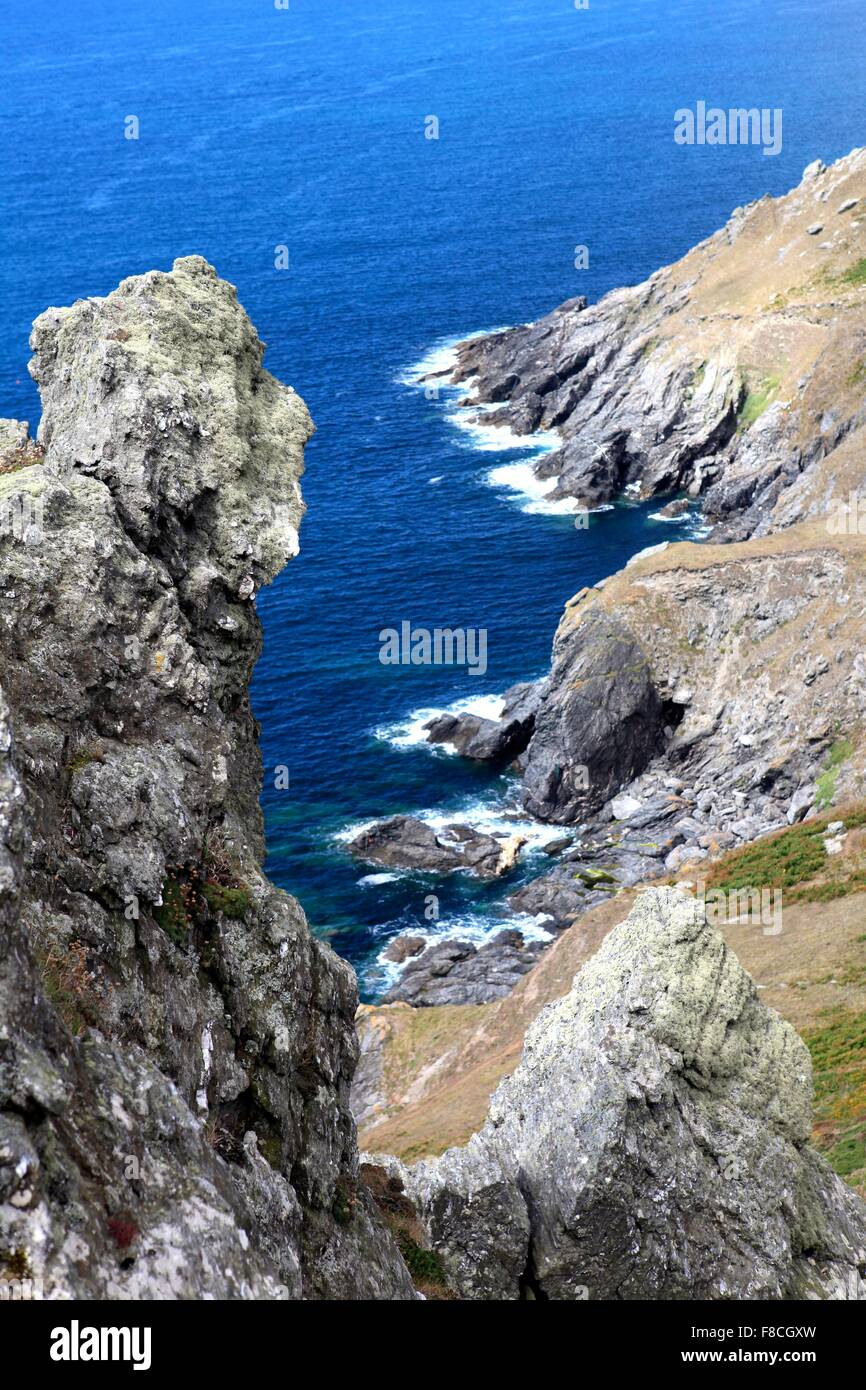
x,y
304,127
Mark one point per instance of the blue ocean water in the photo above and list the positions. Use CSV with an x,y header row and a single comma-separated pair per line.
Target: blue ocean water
x,y
262,127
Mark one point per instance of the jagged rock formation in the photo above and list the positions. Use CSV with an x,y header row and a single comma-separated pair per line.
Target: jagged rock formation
x,y
652,1142
747,651
176,1050
456,972
599,722
734,374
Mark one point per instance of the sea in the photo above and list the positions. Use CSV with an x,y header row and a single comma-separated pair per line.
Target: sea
x,y
381,178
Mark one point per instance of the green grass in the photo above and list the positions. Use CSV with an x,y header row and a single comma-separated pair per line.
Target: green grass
x,y
756,401
233,902
793,858
173,914
858,376
826,784
855,274
422,1264
838,1051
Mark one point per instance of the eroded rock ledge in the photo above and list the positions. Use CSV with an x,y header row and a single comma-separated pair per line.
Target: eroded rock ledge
x,y
176,1049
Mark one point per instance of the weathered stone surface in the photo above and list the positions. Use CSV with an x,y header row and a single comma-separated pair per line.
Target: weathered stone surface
x,y
176,1050
653,1142
491,740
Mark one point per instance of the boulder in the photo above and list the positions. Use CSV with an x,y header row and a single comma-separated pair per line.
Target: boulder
x,y
652,1143
490,740
405,842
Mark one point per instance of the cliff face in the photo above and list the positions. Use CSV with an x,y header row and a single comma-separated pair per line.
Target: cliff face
x,y
753,655
651,1143
732,374
176,1050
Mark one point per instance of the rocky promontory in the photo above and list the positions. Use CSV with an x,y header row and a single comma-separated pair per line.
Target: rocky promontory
x,y
733,376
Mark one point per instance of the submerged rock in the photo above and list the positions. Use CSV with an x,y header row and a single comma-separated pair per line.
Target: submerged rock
x,y
653,1142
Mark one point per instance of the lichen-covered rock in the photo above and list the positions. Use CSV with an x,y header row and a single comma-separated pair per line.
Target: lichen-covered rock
x,y
653,1142
176,1049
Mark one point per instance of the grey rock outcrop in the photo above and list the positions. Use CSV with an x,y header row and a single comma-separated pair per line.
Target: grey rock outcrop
x,y
598,725
653,1142
176,1049
405,842
681,383
457,972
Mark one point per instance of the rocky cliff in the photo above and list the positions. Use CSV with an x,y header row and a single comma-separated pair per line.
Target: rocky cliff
x,y
733,375
651,1143
176,1050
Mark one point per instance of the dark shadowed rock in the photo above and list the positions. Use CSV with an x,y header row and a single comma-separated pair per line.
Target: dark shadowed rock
x,y
404,842
599,724
489,740
456,972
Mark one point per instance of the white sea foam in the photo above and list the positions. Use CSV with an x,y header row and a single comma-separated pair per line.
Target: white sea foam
x,y
498,438
373,880
648,550
488,814
493,817
522,483
470,926
440,358
411,733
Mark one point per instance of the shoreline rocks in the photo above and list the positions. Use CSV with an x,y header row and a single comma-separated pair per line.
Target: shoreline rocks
x,y
457,972
405,842
673,386
490,740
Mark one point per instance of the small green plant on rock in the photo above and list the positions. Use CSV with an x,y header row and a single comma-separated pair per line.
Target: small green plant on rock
x,y
233,902
178,910
756,401
71,985
85,755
